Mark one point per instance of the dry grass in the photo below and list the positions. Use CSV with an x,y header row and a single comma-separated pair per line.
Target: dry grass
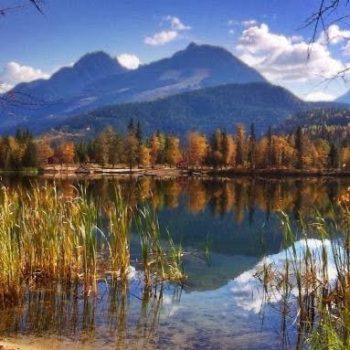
x,y
47,237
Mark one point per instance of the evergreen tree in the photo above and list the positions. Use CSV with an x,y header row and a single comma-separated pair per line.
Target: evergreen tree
x,y
333,157
131,150
131,127
270,154
138,133
252,147
30,157
299,146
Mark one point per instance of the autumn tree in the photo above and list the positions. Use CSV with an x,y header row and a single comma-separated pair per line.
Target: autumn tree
x,y
197,148
44,151
240,145
283,153
144,156
228,150
5,153
173,152
154,149
66,153
322,149
345,157
216,147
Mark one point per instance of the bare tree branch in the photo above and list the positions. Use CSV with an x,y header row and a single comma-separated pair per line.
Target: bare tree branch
x,y
326,15
18,98
36,3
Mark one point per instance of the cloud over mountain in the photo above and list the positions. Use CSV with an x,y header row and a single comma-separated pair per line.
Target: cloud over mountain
x,y
286,59
14,73
129,61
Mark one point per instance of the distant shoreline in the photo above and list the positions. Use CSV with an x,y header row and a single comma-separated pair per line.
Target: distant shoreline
x,y
87,171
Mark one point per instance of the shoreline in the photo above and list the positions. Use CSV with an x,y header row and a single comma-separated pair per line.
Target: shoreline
x,y
40,343
93,171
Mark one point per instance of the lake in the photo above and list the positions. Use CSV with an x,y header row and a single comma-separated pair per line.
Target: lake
x,y
225,227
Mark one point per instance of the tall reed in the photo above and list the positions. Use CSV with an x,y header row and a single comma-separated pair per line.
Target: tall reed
x,y
316,278
47,237
159,260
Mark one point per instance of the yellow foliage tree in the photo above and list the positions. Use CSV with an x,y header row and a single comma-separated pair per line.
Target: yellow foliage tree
x,y
197,148
66,152
173,153
154,149
144,156
44,151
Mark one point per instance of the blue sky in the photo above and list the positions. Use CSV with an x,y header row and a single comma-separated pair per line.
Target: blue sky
x,y
263,33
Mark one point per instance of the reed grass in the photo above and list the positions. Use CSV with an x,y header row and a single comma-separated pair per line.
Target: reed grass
x,y
158,261
47,237
316,278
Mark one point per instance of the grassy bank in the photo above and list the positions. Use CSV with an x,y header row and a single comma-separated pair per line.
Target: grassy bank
x,y
22,171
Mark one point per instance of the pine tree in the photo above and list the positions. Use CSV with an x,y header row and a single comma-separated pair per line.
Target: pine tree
x,y
333,157
138,133
299,146
252,147
131,150
30,157
270,151
131,127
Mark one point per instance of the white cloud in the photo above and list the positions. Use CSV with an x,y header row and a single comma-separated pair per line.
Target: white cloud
x,y
129,61
176,24
249,22
14,73
232,22
4,87
333,35
163,37
319,96
285,59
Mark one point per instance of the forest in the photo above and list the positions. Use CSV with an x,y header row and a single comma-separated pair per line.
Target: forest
x,y
302,149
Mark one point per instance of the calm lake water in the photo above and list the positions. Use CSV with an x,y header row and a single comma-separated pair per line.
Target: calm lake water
x,y
225,227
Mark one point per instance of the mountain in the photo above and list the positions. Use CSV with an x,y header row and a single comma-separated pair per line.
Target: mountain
x,y
196,67
70,81
203,110
42,99
344,98
98,80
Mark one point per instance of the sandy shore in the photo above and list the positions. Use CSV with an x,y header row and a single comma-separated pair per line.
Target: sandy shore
x,y
42,344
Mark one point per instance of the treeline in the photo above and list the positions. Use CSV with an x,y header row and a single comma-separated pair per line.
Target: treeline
x,y
24,151
332,124
242,150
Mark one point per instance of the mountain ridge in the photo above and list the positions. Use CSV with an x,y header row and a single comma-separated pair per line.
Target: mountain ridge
x,y
77,89
202,110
